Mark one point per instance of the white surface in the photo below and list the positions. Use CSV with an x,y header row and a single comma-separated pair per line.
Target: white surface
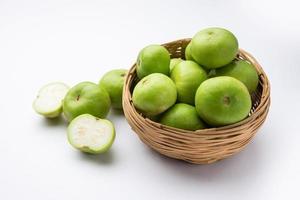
x,y
73,41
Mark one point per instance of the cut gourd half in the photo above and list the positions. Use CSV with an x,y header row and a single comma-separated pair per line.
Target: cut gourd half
x,y
91,134
49,99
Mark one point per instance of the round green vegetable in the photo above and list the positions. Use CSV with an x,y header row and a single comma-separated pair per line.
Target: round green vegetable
x,y
222,100
154,94
188,54
187,76
153,59
86,98
241,70
174,61
182,116
214,47
113,82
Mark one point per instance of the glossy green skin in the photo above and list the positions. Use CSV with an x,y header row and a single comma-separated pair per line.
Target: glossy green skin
x,y
187,53
113,82
153,59
241,70
154,94
86,98
214,47
88,149
187,77
174,61
222,100
182,116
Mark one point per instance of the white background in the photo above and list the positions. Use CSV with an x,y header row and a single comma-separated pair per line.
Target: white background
x,y
74,41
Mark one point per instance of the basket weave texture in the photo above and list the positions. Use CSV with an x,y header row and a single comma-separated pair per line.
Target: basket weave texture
x,y
200,146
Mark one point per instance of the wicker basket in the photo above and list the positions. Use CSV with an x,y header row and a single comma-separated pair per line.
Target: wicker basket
x,y
201,146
